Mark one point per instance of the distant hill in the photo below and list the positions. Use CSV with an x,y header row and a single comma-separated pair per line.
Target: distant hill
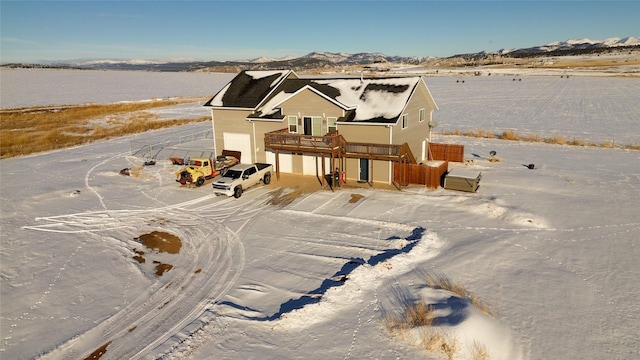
x,y
328,60
574,47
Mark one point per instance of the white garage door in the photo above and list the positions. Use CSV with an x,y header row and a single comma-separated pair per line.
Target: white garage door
x,y
239,142
309,164
286,161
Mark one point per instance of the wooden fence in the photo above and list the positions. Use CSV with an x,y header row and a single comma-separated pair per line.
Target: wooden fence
x,y
429,174
446,152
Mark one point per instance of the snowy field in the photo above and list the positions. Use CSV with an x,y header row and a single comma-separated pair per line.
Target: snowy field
x,y
594,109
552,251
41,87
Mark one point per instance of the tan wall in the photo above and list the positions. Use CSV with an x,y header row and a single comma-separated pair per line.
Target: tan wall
x,y
308,103
233,121
416,131
261,128
379,172
377,134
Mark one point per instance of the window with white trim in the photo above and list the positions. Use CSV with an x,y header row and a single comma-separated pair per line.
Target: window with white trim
x,y
316,126
331,124
421,115
293,124
405,121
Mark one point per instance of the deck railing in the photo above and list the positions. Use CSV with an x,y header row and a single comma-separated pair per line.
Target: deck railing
x,y
283,140
334,143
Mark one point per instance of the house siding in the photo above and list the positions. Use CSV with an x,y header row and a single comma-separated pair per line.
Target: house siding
x,y
378,134
308,103
230,121
416,132
261,128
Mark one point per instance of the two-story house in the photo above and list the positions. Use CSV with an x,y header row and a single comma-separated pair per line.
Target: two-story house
x,y
313,125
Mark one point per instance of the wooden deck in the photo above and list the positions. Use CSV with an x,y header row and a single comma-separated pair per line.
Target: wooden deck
x,y
335,146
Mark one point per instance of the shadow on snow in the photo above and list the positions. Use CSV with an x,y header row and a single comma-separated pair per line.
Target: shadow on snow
x,y
341,276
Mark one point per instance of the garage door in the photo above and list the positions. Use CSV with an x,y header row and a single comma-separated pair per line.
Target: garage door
x,y
286,161
310,163
239,142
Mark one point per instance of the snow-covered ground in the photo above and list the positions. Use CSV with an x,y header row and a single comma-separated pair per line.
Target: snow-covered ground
x,y
40,87
552,251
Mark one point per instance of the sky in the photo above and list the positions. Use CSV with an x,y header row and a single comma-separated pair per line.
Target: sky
x,y
37,31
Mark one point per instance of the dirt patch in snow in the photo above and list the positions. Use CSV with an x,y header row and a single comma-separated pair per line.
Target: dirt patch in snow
x,y
161,241
162,268
355,198
99,352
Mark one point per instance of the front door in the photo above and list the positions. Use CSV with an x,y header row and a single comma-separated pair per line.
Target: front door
x,y
308,129
364,170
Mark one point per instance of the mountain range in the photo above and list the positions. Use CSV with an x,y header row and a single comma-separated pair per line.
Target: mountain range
x,y
573,45
319,60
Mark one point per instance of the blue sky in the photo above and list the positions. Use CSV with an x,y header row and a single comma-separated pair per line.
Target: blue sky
x,y
33,31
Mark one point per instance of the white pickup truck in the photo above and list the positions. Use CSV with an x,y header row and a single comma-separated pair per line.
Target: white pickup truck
x,y
241,177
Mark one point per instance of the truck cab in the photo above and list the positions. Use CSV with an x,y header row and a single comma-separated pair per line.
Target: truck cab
x,y
241,177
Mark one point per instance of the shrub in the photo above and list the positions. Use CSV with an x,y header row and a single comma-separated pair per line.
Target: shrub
x,y
509,135
437,341
578,142
440,281
479,352
418,314
556,139
531,138
607,144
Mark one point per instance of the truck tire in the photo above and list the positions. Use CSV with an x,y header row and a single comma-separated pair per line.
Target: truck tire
x,y
237,192
267,179
200,182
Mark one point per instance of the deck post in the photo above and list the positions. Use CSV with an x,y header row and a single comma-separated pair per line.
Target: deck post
x,y
278,165
323,171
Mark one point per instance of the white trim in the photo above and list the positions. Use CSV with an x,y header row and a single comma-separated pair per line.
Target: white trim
x,y
366,123
335,123
265,120
310,88
275,87
289,118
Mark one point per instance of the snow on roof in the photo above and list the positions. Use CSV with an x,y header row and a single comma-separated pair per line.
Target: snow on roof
x,y
248,89
379,100
263,74
375,100
216,100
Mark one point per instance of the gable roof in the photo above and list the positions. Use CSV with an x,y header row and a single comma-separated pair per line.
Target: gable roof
x,y
248,89
379,100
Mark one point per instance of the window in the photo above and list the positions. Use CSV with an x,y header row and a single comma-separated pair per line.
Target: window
x,y
405,121
293,124
317,126
421,115
331,124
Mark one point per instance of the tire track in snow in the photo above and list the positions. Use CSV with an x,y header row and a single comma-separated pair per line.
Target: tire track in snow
x,y
88,175
158,315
